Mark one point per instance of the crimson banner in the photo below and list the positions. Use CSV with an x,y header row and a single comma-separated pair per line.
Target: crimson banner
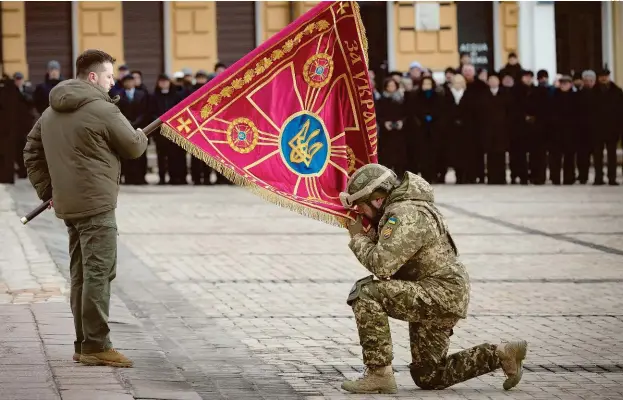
x,y
293,118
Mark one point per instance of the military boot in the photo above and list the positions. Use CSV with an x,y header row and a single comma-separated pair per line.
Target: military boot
x,y
109,357
374,380
511,356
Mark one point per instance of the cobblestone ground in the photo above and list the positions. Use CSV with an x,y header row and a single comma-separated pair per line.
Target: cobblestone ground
x,y
242,299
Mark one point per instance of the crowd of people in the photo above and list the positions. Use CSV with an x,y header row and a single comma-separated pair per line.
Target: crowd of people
x,y
481,124
137,103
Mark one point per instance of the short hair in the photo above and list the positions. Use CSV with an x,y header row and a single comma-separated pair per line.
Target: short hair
x,y
219,65
92,61
589,73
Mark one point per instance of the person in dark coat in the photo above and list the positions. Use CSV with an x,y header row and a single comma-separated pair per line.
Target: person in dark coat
x,y
117,88
138,81
184,82
563,132
133,104
495,127
608,123
459,114
532,102
8,101
512,68
465,59
393,136
585,135
25,117
578,82
41,96
476,90
430,138
448,74
171,157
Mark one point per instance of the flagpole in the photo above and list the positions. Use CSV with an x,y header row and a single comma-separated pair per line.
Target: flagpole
x,y
149,129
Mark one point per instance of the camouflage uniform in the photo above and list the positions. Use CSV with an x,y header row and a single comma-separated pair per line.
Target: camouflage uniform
x,y
420,281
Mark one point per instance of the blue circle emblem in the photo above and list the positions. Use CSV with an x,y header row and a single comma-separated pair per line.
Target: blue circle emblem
x,y
242,136
319,70
304,144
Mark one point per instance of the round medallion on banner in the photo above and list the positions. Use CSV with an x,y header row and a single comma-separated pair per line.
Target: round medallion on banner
x,y
242,135
318,70
304,144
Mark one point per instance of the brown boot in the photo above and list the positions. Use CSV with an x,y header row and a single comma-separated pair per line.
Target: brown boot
x,y
511,356
76,357
374,380
110,357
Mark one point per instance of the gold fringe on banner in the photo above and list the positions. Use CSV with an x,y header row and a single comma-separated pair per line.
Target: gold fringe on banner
x,y
362,31
234,177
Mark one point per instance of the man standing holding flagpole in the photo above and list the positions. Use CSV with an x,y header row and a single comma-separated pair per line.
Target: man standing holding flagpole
x,y
72,156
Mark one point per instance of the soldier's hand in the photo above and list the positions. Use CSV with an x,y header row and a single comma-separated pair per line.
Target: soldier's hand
x,y
139,130
355,227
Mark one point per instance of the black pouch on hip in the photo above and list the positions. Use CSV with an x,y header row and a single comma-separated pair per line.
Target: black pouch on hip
x,y
356,290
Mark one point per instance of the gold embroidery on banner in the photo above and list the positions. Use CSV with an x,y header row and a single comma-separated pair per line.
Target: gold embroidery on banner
x,y
343,7
351,160
322,25
237,83
184,125
261,67
276,55
227,91
214,99
242,135
302,152
323,70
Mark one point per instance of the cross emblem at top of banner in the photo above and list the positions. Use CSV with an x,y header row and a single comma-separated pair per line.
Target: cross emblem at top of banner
x,y
184,125
343,7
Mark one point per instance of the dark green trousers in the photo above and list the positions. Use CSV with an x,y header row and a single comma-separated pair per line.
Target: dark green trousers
x,y
93,265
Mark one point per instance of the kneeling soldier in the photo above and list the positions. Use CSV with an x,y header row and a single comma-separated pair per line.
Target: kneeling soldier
x,y
420,280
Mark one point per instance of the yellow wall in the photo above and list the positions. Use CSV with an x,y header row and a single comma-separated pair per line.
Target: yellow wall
x,y
192,35
436,50
617,11
100,26
509,19
275,15
14,37
301,7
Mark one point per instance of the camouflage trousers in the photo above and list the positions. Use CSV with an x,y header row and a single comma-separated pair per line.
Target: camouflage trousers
x,y
93,262
429,334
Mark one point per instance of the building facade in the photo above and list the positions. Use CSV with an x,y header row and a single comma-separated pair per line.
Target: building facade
x,y
168,36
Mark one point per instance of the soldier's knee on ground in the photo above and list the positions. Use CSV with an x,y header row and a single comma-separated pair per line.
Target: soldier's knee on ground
x,y
426,378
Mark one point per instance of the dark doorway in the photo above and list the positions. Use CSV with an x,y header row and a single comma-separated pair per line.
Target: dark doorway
x,y
578,35
374,17
475,32
143,39
48,37
235,26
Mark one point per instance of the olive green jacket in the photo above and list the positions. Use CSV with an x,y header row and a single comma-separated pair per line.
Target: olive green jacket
x,y
72,153
413,244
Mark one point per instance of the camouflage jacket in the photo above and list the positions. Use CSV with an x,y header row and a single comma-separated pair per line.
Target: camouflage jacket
x,y
413,244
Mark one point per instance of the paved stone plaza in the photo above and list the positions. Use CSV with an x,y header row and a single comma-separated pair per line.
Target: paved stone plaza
x,y
222,295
